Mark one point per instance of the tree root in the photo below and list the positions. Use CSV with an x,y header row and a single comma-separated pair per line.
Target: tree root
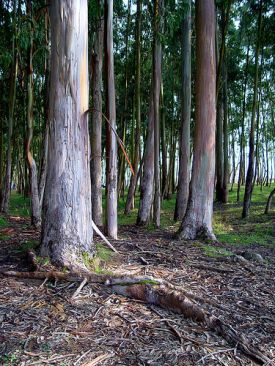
x,y
157,292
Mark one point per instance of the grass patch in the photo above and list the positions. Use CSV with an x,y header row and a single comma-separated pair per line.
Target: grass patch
x,y
3,222
19,205
215,252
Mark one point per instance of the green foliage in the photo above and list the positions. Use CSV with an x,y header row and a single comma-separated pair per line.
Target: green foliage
x,y
3,222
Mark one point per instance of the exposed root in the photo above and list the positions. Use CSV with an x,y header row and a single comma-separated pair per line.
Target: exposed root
x,y
156,292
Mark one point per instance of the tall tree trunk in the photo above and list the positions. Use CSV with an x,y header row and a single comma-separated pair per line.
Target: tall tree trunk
x,y
111,144
67,220
96,125
157,55
11,106
121,176
198,217
45,143
163,143
133,182
184,142
147,180
233,163
250,169
242,142
219,148
35,203
225,138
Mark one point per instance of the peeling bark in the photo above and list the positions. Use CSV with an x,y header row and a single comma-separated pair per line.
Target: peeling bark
x,y
67,222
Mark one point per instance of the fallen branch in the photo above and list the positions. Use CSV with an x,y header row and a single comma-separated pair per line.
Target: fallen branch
x,y
96,229
156,292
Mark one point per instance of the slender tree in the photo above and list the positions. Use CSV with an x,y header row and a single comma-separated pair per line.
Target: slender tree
x,y
133,182
198,217
111,145
157,56
33,183
96,125
184,143
251,158
67,221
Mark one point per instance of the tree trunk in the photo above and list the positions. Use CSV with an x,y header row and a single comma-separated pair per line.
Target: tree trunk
x,y
1,146
67,220
219,148
242,142
163,144
250,169
111,144
233,163
96,125
184,143
269,201
147,180
133,182
198,217
121,176
157,55
35,203
12,96
224,197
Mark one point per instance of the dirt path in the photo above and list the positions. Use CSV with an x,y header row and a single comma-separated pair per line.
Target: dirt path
x,y
41,324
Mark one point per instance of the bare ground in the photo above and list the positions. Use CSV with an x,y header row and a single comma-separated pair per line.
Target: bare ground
x,y
42,325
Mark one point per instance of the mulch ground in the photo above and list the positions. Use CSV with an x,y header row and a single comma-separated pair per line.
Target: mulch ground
x,y
40,323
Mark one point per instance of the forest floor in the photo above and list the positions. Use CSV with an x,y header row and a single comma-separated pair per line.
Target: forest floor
x,y
41,324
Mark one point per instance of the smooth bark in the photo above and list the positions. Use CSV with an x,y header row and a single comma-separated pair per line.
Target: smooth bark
x,y
133,181
197,221
184,142
111,144
157,56
251,158
67,221
96,125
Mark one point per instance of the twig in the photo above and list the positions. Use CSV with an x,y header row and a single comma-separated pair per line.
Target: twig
x,y
96,229
98,359
80,287
214,353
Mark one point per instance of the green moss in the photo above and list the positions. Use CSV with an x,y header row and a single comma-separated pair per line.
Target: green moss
x,y
104,253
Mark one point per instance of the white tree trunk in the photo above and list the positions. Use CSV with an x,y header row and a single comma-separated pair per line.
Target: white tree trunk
x,y
67,222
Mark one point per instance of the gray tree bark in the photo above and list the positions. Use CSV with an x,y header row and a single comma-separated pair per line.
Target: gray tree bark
x,y
111,144
197,221
67,221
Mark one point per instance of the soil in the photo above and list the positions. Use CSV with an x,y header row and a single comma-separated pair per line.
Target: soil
x,y
41,323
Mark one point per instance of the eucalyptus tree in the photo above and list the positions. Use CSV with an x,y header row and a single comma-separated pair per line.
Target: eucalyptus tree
x,y
184,143
198,217
67,220
250,169
111,144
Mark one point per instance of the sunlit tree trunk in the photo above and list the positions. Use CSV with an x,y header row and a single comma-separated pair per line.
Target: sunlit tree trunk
x,y
225,179
250,169
67,220
96,125
184,143
111,144
197,221
133,182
